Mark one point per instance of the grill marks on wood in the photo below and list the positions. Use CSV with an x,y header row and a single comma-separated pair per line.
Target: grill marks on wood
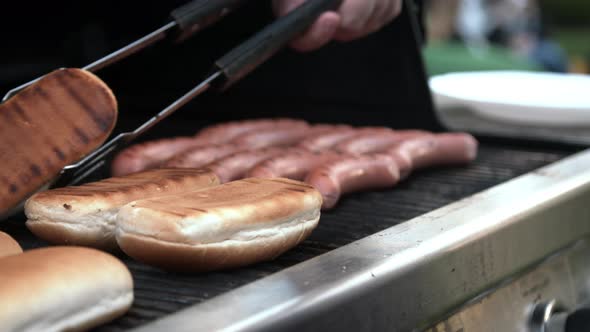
x,y
49,125
13,188
12,144
84,98
21,113
81,135
159,180
54,113
39,138
59,153
257,201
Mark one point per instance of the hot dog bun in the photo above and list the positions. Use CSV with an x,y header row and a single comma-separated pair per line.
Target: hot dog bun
x,y
85,215
231,225
50,124
62,288
8,245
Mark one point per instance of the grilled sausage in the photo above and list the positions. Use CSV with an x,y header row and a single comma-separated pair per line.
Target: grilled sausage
x,y
323,128
436,150
295,164
201,156
403,162
151,154
353,173
371,141
278,136
237,165
382,170
286,136
328,140
225,132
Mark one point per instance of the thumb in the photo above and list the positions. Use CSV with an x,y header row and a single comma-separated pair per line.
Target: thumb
x,y
321,32
283,7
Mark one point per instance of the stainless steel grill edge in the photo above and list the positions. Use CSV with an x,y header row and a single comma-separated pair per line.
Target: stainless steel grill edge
x,y
409,275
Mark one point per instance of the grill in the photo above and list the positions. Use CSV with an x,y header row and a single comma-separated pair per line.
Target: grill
x,y
400,259
158,293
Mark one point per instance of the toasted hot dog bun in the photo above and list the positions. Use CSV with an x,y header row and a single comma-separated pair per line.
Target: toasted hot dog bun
x,y
8,245
85,215
231,225
62,289
52,123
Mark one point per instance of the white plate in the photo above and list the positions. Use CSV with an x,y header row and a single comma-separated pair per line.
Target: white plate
x,y
518,96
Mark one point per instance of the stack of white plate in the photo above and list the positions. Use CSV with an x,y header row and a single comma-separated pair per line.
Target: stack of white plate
x,y
518,97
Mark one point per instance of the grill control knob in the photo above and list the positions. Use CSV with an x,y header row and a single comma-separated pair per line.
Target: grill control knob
x,y
542,313
547,317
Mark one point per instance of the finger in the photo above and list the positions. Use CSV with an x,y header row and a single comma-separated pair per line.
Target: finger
x,y
283,7
384,14
355,16
320,33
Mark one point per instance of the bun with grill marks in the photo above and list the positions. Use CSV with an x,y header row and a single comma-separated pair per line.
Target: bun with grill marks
x,y
231,225
50,124
85,215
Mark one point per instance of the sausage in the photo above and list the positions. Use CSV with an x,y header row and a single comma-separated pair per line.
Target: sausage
x,y
323,141
277,136
225,132
295,164
236,166
151,154
382,170
328,140
437,150
201,156
371,141
353,173
285,136
403,162
323,128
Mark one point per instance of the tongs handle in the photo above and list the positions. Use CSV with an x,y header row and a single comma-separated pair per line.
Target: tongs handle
x,y
246,57
199,14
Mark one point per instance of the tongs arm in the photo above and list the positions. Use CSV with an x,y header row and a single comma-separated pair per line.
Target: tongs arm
x,y
186,20
249,55
227,70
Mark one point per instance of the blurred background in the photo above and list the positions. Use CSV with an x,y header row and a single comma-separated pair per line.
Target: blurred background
x,y
539,35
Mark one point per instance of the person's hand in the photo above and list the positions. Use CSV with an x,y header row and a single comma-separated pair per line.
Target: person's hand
x,y
354,19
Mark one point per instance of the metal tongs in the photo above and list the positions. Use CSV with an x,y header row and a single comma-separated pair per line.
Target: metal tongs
x,y
186,20
227,70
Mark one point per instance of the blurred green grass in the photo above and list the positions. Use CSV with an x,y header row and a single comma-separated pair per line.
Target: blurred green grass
x,y
569,24
574,40
443,58
566,12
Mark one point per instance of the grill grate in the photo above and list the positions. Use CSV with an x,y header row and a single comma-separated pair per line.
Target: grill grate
x,y
159,293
